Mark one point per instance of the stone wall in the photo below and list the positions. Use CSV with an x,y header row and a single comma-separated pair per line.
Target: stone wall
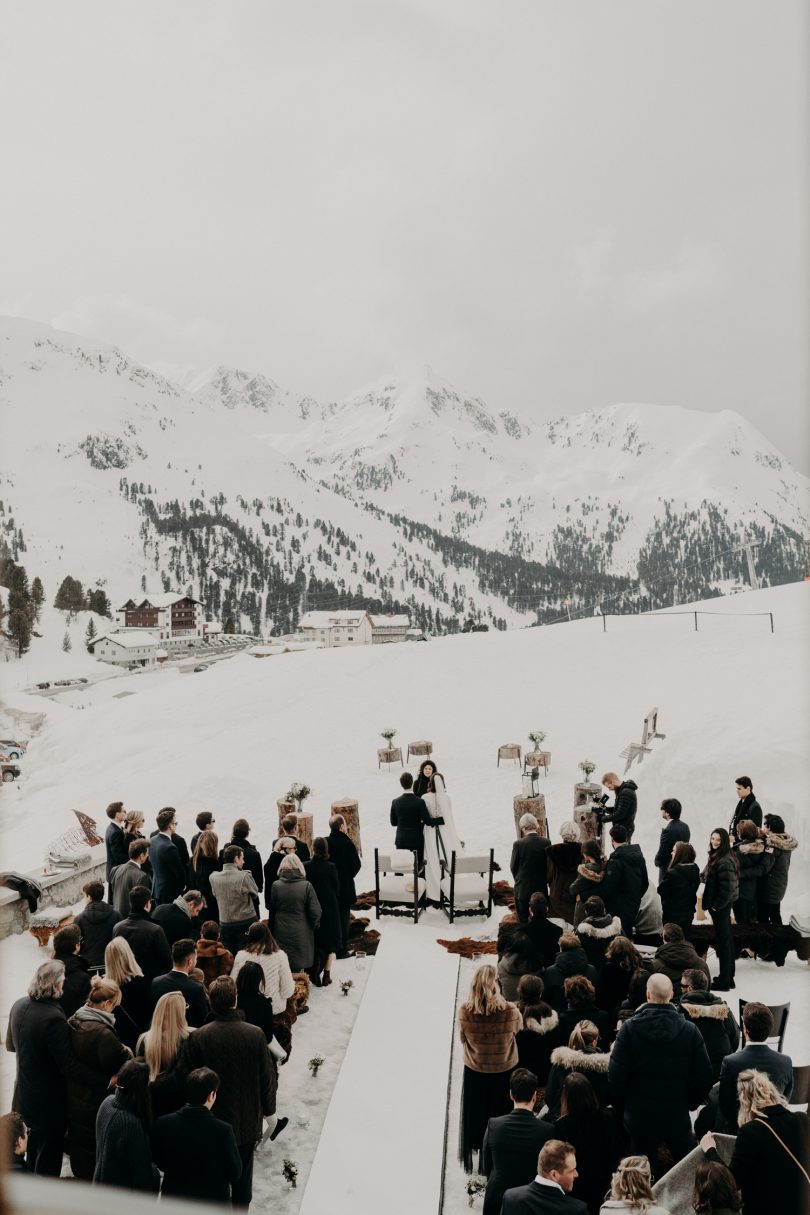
x,y
60,889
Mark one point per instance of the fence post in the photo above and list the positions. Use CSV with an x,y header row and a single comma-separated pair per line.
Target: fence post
x,y
696,627
604,623
771,616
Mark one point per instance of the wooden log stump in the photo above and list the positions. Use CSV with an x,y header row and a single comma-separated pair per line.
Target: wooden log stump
x,y
350,810
421,747
305,832
537,759
531,805
589,826
389,755
509,751
585,792
285,807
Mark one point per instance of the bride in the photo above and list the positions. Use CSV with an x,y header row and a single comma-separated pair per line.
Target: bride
x,y
441,839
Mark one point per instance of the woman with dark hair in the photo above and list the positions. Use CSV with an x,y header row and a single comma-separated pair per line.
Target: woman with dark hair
x,y
213,959
772,886
679,886
715,1191
595,1137
582,1054
622,959
205,860
590,872
428,779
279,985
754,861
253,861
323,876
123,1153
518,959
541,1028
258,1010
596,929
580,1005
720,892
95,1044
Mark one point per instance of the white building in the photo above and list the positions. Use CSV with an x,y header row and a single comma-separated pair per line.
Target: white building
x,y
169,617
385,629
345,627
121,649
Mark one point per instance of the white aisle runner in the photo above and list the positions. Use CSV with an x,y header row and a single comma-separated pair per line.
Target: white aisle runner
x,y
382,1144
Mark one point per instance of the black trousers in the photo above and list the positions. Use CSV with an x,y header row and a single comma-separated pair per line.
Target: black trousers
x,y
648,1143
233,935
242,1190
345,911
723,944
46,1146
773,913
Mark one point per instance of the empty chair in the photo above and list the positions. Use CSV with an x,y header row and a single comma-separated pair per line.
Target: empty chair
x,y
399,890
466,885
801,1086
780,1014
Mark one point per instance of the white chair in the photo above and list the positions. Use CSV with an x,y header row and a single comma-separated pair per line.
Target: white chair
x,y
466,887
399,889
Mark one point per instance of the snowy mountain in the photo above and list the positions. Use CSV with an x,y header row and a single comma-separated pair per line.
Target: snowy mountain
x,y
408,494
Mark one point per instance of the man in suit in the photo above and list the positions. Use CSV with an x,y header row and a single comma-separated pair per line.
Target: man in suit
x,y
747,807
146,939
674,830
126,877
167,864
529,865
757,1025
513,1141
115,840
184,959
409,815
550,1192
180,918
346,859
197,1151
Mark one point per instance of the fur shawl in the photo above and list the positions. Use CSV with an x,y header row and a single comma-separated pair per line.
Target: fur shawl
x,y
580,1060
546,1024
592,871
751,848
782,841
586,928
718,1011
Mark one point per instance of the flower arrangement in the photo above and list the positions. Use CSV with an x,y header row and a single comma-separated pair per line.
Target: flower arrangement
x,y
536,737
389,735
474,1187
315,1062
289,1171
587,767
346,986
298,793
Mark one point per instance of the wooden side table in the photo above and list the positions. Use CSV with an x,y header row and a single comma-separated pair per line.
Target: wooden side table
x,y
509,751
389,755
422,747
537,759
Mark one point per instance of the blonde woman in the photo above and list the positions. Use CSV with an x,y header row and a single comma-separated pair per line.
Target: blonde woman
x,y
134,1012
163,1047
563,861
487,1026
631,1189
770,1162
296,913
582,1054
133,830
98,1048
205,860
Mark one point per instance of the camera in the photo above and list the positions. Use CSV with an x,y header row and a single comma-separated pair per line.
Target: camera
x,y
599,807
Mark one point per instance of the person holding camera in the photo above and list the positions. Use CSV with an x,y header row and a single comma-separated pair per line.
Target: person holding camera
x,y
623,811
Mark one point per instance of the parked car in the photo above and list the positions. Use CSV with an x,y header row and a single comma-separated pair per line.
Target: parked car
x,y
203,666
45,684
10,749
10,771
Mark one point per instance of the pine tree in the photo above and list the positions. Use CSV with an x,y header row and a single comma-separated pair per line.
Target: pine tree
x,y
19,629
70,596
229,626
90,634
37,596
67,644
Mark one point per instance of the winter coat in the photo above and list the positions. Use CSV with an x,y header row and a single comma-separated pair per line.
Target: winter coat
x,y
612,987
271,875
488,1041
528,866
753,862
237,1052
659,1070
571,962
116,846
649,925
96,923
39,1034
537,1039
587,882
511,969
175,920
147,941
563,860
545,937
344,856
134,1013
213,959
509,1153
200,879
198,1154
258,1011
598,1146
564,1060
123,879
674,831
253,861
192,992
722,884
168,867
623,811
236,894
96,1045
775,1065
768,1179
715,1020
296,915
123,1153
279,984
676,957
323,877
678,889
774,884
77,981
596,933
624,883
571,1018
167,1092
747,808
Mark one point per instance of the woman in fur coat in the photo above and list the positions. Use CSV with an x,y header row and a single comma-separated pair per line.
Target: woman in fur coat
x,y
596,930
562,861
582,1054
590,872
755,861
487,1026
541,1028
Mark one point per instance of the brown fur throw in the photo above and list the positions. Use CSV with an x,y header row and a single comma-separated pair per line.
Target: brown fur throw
x,y
467,946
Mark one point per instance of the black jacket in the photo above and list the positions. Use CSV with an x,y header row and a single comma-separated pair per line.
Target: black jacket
x,y
768,1179
117,848
409,815
77,981
176,923
715,1020
755,862
760,1057
346,859
590,1063
96,923
301,850
528,864
134,1013
258,1011
673,833
325,882
747,808
722,887
624,883
237,1052
168,867
673,958
509,1154
147,941
198,1154
771,888
598,1145
534,1199
678,889
623,811
545,937
571,962
192,991
590,1012
538,1038
659,1070
123,1154
596,933
95,1044
200,879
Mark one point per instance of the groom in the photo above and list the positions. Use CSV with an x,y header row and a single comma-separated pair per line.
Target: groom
x,y
409,814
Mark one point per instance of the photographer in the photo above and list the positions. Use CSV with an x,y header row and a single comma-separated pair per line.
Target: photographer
x,y
623,811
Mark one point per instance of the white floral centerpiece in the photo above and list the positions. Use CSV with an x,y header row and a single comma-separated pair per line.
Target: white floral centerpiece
x,y
587,767
298,793
536,738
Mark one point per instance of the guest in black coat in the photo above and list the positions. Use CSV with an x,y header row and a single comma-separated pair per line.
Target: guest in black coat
x,y
66,945
196,1150
169,861
541,1029
588,882
528,865
757,1026
580,999
625,879
203,822
582,1055
95,1044
184,960
772,886
571,960
96,924
251,1000
115,842
557,1164
323,877
289,827
711,1015
285,845
595,1137
720,892
512,1142
133,1014
544,935
674,831
146,939
623,811
123,1154
409,814
253,861
622,961
205,860
519,958
346,860
747,807
678,888
39,1035
178,919
596,930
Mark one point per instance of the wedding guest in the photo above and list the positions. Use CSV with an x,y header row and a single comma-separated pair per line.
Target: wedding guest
x,y
487,1025
123,1152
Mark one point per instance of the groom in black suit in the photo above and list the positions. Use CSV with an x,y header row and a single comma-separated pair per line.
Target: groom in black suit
x,y
409,815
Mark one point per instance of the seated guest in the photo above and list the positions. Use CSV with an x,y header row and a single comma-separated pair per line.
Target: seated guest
x,y
177,918
595,1137
679,886
563,860
544,935
715,1191
133,1014
596,930
164,1047
551,1189
96,923
146,939
13,1143
580,999
631,1189
582,1054
541,1028
67,943
571,960
518,959
712,1016
512,1142
213,958
123,1153
590,872
196,1150
184,960
622,960
677,955
757,1026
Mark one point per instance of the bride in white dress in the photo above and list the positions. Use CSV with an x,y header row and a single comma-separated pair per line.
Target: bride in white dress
x,y
441,840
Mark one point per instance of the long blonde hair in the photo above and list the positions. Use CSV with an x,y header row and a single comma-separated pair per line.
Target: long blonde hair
x,y
120,963
161,1043
485,995
756,1092
632,1182
207,846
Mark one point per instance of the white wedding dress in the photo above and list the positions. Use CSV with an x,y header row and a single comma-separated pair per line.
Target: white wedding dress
x,y
440,841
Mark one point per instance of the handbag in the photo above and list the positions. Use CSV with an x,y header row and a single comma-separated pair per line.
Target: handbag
x,y
799,1165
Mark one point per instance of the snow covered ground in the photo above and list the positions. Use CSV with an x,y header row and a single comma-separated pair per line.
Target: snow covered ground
x,y
733,698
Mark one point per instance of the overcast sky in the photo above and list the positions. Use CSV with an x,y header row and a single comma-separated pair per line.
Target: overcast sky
x,y
558,205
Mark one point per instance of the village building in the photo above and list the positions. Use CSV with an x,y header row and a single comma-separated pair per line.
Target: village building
x,y
344,627
388,628
124,649
171,617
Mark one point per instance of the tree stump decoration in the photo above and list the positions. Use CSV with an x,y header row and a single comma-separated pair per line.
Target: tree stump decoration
x,y
305,831
509,751
589,826
537,759
421,747
531,805
585,792
285,807
350,810
389,755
